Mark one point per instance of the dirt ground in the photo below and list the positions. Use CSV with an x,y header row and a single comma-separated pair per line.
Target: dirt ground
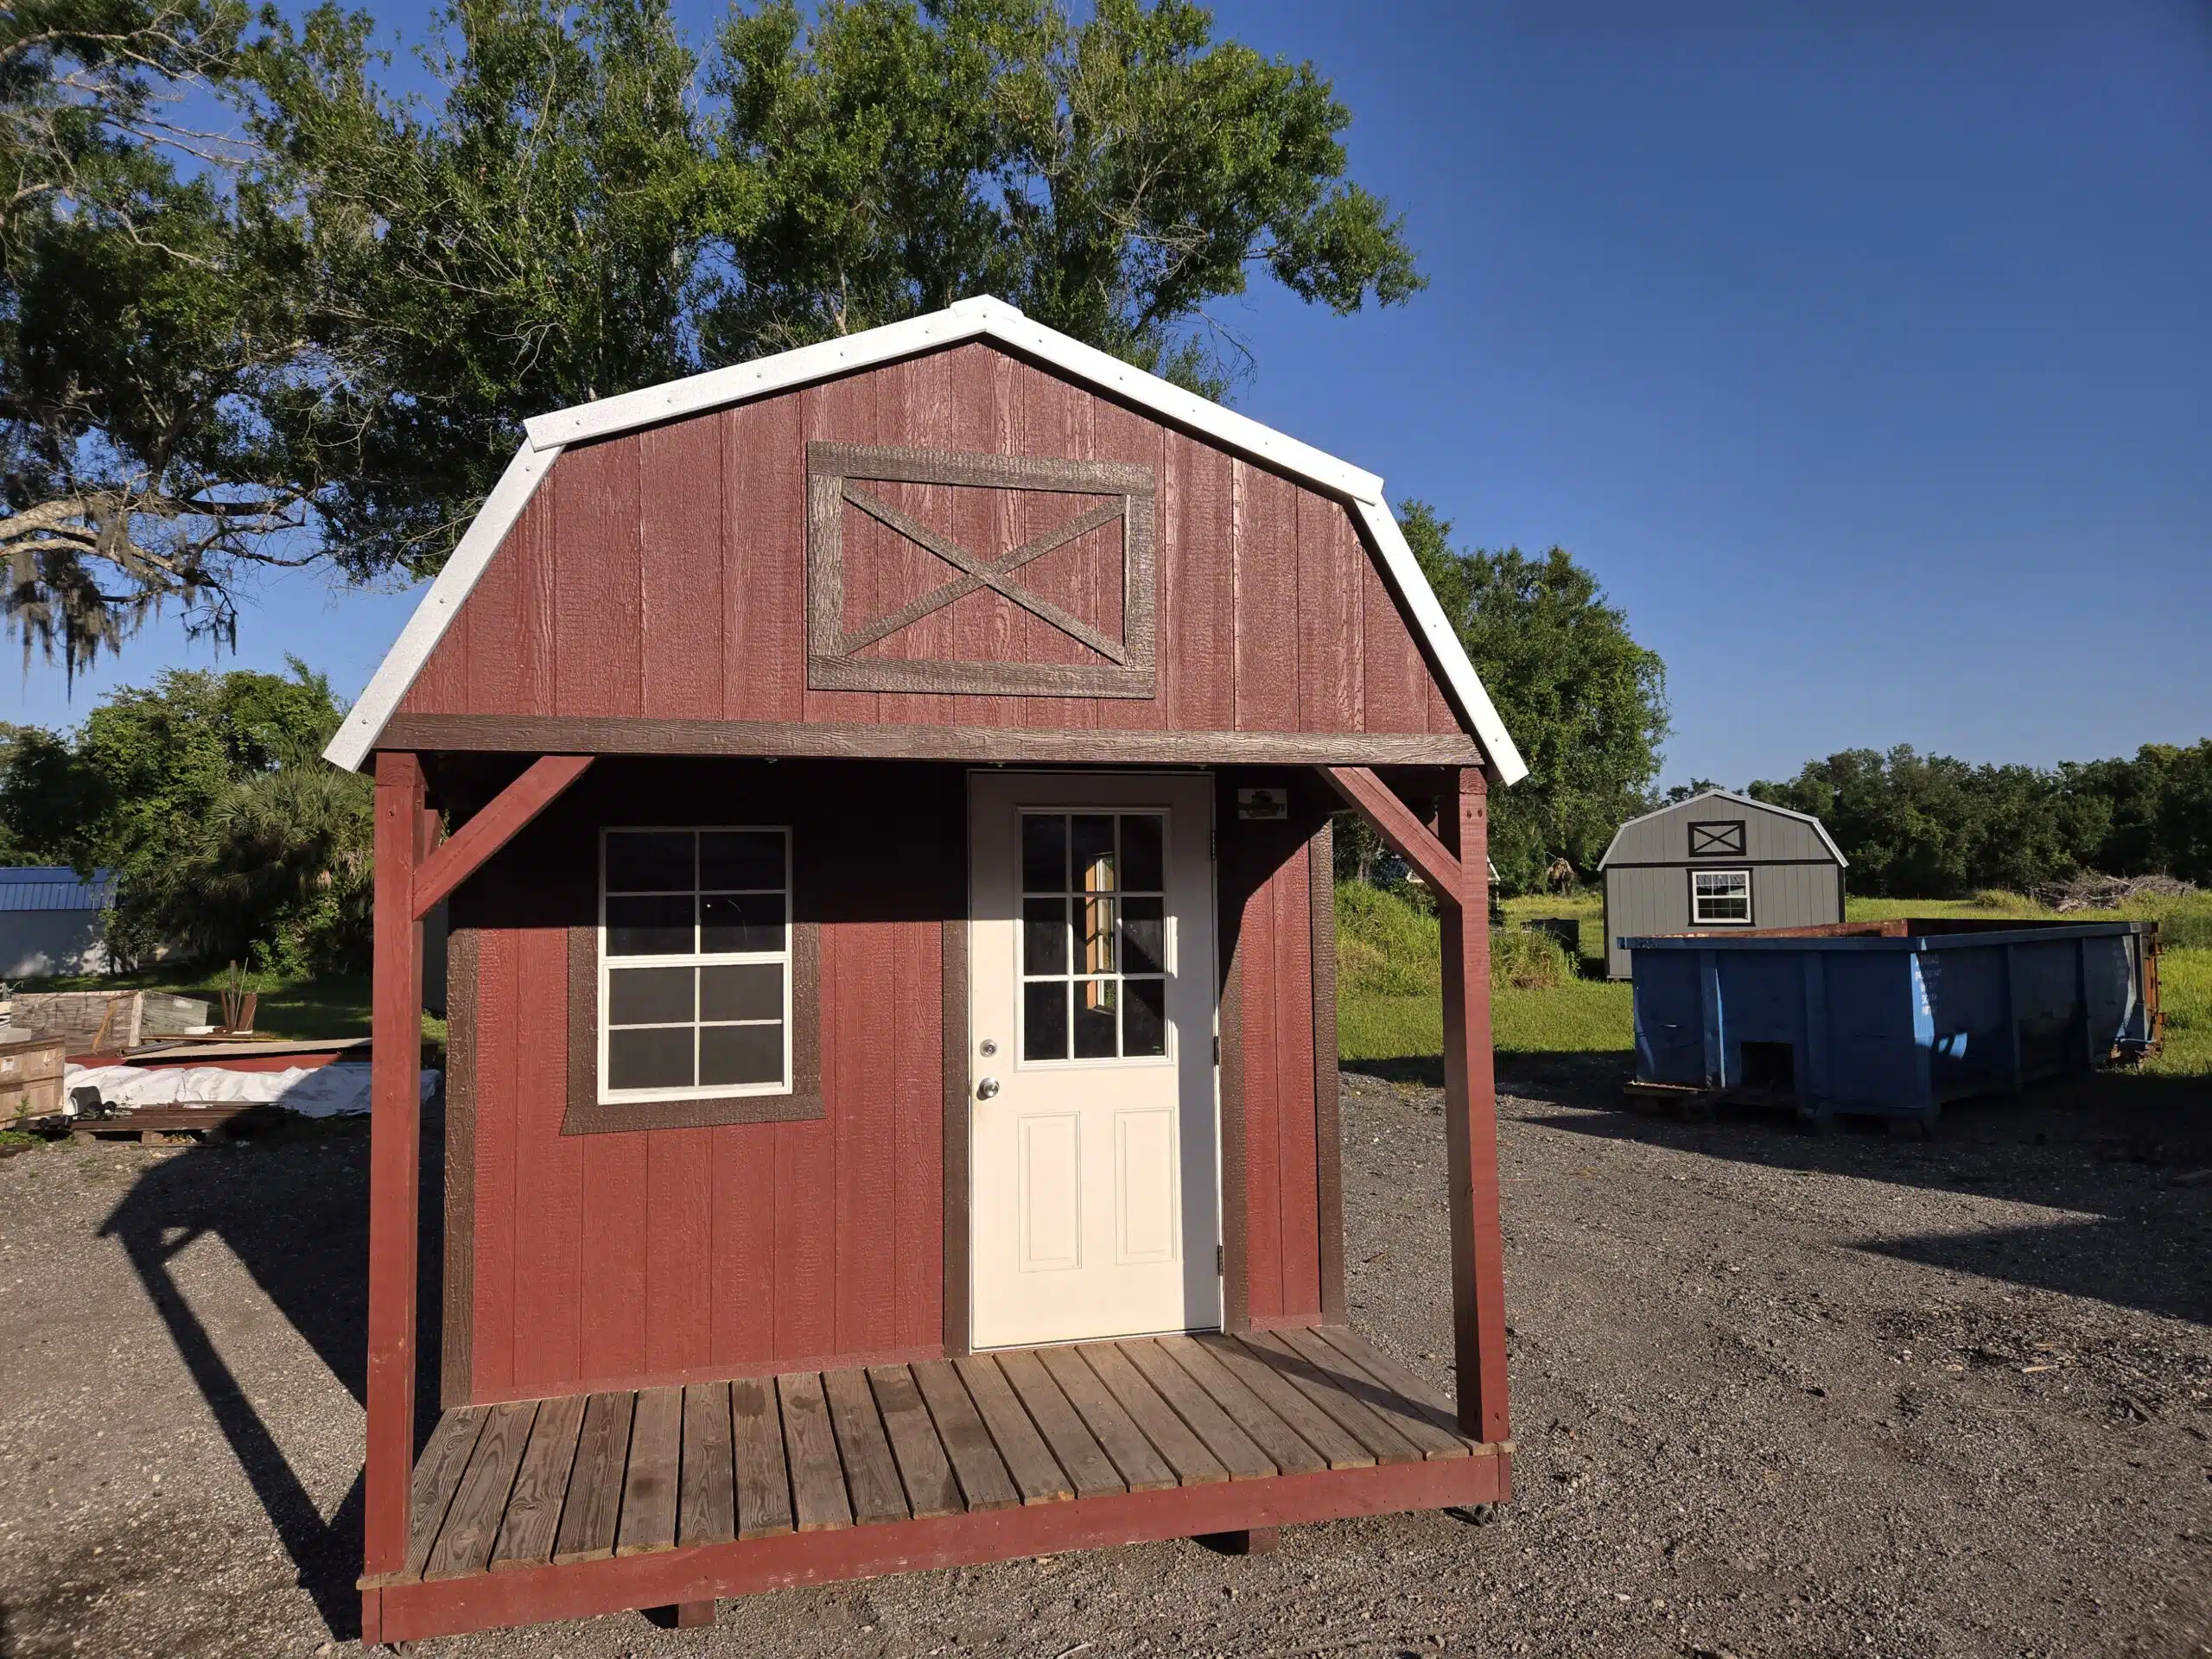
x,y
1774,1395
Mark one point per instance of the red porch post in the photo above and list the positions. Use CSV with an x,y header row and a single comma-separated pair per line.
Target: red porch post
x,y
1471,1118
395,1162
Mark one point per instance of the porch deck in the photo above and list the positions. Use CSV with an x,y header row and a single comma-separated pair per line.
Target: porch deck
x,y
563,1508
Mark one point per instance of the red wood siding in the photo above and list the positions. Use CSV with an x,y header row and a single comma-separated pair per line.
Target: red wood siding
x,y
625,1260
662,572
1266,897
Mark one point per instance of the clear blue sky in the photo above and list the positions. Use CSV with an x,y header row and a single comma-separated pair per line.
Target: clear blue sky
x,y
1864,352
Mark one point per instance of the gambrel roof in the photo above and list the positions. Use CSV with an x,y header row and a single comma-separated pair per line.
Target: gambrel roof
x,y
1729,795
983,318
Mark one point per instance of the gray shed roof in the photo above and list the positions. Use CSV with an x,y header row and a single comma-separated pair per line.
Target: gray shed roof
x,y
1819,828
54,888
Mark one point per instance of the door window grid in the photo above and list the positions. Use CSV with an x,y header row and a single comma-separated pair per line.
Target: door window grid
x,y
1093,937
695,982
1720,897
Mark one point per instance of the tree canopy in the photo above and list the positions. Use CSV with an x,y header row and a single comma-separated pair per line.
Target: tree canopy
x,y
1927,826
314,336
207,794
1586,704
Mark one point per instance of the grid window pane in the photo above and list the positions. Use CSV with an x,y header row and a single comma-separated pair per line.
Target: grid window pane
x,y
1080,932
1144,1016
740,922
657,926
733,1055
741,858
1144,865
742,990
654,1056
1096,1032
703,1022
1043,936
1044,1020
1144,944
649,860
1091,839
1095,921
650,997
1044,853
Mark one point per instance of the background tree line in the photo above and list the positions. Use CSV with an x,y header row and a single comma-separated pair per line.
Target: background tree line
x,y
1926,826
208,794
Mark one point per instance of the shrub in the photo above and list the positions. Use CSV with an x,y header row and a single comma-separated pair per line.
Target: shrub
x,y
1527,960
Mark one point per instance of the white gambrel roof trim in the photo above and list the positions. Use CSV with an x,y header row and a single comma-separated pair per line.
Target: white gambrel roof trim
x,y
1819,828
981,318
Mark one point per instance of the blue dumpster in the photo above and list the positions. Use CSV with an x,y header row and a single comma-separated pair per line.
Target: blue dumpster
x,y
1892,1018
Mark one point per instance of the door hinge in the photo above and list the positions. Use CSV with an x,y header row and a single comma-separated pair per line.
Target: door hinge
x,y
1220,1260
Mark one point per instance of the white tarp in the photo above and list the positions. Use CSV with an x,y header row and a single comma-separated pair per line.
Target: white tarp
x,y
317,1091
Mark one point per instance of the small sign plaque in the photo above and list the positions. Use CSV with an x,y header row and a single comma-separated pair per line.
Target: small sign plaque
x,y
1265,803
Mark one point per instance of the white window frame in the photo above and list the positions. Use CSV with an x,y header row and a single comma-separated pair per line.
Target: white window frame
x,y
694,958
1698,918
1170,944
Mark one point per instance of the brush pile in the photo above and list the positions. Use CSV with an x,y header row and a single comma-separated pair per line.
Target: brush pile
x,y
2087,890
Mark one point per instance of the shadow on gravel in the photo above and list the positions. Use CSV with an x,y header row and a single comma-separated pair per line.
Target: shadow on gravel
x,y
2100,1146
293,1207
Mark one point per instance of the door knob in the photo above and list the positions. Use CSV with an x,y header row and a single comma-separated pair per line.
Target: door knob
x,y
988,1089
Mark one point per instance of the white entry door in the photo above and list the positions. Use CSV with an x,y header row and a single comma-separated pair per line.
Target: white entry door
x,y
1092,1155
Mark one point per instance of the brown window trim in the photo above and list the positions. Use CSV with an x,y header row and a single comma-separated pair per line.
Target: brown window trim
x,y
587,1115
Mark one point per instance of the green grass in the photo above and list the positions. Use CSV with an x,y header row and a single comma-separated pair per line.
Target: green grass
x,y
334,1006
1402,1021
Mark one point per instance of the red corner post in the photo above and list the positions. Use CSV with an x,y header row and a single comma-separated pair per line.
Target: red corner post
x,y
1471,1119
395,1162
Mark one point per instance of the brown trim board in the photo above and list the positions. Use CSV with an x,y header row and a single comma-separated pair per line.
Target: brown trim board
x,y
1328,1151
586,1114
456,1347
592,735
1236,1293
958,1323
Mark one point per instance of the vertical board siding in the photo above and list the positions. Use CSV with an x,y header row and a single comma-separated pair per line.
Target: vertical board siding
x,y
598,580
680,607
630,1260
664,573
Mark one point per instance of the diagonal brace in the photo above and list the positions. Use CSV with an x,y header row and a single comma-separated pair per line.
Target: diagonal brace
x,y
1403,833
499,822
962,560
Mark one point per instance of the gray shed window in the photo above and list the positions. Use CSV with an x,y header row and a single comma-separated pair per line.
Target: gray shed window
x,y
1720,898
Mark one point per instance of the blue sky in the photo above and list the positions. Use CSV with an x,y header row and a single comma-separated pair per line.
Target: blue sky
x,y
1864,352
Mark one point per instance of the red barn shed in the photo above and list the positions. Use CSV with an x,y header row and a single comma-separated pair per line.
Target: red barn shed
x,y
882,796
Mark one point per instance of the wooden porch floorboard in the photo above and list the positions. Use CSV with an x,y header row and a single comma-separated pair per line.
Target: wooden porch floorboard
x,y
564,1480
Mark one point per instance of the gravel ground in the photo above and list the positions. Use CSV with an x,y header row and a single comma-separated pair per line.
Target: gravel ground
x,y
1775,1395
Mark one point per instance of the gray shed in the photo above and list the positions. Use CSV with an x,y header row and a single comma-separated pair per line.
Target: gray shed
x,y
50,921
1718,861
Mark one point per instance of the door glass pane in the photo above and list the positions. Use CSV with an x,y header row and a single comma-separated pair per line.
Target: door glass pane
x,y
653,1058
1045,1020
1044,853
1095,926
1043,936
1095,1036
733,1054
649,927
1144,1016
741,922
1092,838
1144,945
1144,864
657,861
649,997
752,990
742,858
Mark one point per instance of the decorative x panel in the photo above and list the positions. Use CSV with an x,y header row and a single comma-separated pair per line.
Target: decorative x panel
x,y
1716,840
838,476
